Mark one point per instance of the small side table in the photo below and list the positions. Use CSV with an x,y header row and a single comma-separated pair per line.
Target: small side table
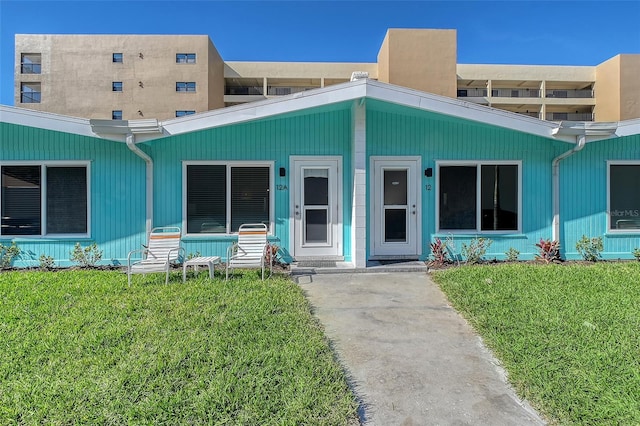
x,y
209,261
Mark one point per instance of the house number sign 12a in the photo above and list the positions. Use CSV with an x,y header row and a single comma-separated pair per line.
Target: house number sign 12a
x,y
282,187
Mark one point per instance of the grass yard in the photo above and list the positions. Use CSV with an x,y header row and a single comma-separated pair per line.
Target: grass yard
x,y
568,335
82,347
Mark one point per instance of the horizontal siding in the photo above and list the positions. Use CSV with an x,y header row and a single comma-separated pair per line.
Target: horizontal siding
x,y
117,191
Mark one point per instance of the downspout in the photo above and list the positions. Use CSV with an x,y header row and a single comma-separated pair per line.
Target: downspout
x,y
555,165
131,144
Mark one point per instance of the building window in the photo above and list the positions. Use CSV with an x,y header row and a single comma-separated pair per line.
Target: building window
x,y
478,197
30,63
186,86
116,57
44,199
183,112
30,93
221,197
185,58
624,196
116,114
116,86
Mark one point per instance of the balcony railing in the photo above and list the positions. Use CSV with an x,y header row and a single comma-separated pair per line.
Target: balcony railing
x,y
529,114
515,93
472,93
561,94
244,90
563,116
282,90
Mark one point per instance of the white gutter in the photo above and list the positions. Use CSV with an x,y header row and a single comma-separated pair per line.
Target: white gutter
x,y
579,129
555,166
131,144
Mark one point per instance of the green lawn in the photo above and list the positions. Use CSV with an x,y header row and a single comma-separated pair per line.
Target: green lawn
x,y
568,335
82,347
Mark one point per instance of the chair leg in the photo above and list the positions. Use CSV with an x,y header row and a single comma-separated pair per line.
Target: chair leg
x,y
166,281
129,278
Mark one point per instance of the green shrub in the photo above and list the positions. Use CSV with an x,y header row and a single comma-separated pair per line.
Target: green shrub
x,y
87,256
636,253
477,248
46,262
7,254
512,255
590,248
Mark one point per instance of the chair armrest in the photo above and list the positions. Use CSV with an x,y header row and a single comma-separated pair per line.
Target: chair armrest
x,y
232,249
179,249
144,250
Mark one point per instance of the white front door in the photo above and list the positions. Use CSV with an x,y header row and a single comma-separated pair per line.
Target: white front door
x,y
395,191
315,205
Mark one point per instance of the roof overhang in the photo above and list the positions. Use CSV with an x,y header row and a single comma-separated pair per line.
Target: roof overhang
x,y
359,90
45,120
119,129
355,90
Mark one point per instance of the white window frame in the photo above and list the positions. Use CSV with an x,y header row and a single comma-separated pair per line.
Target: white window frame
x,y
478,165
610,163
229,165
43,196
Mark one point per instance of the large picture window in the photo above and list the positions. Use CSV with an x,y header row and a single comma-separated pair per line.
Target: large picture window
x,y
624,196
221,197
478,197
44,199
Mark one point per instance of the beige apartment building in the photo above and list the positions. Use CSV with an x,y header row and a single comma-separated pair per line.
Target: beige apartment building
x,y
166,76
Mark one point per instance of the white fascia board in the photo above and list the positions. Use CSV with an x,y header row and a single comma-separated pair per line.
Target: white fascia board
x,y
45,120
263,109
628,127
462,109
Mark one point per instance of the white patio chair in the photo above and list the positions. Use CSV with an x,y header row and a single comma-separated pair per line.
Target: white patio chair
x,y
250,250
161,252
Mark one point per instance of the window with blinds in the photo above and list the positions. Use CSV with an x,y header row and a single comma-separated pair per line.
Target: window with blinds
x,y
221,197
26,210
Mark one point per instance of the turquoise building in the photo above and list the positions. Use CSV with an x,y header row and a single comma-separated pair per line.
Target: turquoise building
x,y
353,173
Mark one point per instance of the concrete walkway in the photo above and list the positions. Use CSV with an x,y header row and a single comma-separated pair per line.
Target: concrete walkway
x,y
411,358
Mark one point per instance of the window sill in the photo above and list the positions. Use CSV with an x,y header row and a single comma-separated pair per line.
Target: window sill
x,y
484,234
46,238
622,234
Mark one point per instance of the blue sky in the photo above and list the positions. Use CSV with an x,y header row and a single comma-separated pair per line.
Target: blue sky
x,y
491,32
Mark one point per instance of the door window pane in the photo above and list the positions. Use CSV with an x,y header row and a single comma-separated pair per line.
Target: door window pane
x,y
249,196
458,197
624,196
395,225
395,187
316,187
499,197
20,200
316,226
206,199
66,200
